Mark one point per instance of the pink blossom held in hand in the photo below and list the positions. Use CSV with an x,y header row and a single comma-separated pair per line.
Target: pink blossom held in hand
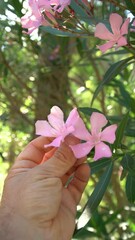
x,y
96,138
119,29
56,128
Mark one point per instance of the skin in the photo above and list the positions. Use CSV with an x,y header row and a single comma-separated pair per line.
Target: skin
x,y
37,204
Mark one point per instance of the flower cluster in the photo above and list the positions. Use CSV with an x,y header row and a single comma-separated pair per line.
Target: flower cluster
x,y
42,12
45,13
56,128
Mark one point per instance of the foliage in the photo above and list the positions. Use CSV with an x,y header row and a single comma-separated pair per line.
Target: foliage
x,y
63,66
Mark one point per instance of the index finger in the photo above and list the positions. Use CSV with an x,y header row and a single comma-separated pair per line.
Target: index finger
x,y
35,150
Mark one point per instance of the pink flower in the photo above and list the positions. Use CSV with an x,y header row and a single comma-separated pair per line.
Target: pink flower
x,y
58,129
33,18
96,138
114,37
59,5
42,12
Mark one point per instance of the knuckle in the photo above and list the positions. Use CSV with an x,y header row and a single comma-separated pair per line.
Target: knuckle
x,y
64,154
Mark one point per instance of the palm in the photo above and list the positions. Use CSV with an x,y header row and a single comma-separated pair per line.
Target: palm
x,y
64,222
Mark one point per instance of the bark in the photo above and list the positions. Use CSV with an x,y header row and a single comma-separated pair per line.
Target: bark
x,y
52,84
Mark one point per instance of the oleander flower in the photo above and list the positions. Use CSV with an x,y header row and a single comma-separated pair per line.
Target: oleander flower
x,y
116,37
42,13
59,5
56,128
34,17
97,138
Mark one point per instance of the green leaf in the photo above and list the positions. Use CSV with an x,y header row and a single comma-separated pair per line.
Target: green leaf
x,y
57,32
80,10
128,163
98,223
84,233
128,101
120,131
111,73
98,165
132,35
113,216
17,6
130,188
3,6
81,46
88,111
96,197
123,174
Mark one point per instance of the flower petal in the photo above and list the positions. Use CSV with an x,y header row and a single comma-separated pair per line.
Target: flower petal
x,y
124,28
30,23
102,150
80,131
43,128
97,120
108,134
104,47
81,150
102,32
72,118
55,143
33,19
122,42
44,5
60,5
116,22
34,8
56,118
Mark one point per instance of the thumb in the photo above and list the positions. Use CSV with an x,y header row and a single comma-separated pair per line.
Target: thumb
x,y
60,163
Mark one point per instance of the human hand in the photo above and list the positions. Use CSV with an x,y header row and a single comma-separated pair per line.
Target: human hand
x,y
36,204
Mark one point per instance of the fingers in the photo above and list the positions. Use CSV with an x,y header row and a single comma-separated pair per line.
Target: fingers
x,y
79,182
34,151
49,154
72,170
60,160
60,163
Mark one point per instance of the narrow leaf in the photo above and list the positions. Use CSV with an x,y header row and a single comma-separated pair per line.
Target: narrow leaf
x,y
80,10
95,197
58,32
120,130
98,165
130,188
128,163
88,111
111,73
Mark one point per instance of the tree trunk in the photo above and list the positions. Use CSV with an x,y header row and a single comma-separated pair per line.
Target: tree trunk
x,y
52,83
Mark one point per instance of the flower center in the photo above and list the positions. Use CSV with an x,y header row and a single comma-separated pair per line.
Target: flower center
x,y
96,138
117,36
66,131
